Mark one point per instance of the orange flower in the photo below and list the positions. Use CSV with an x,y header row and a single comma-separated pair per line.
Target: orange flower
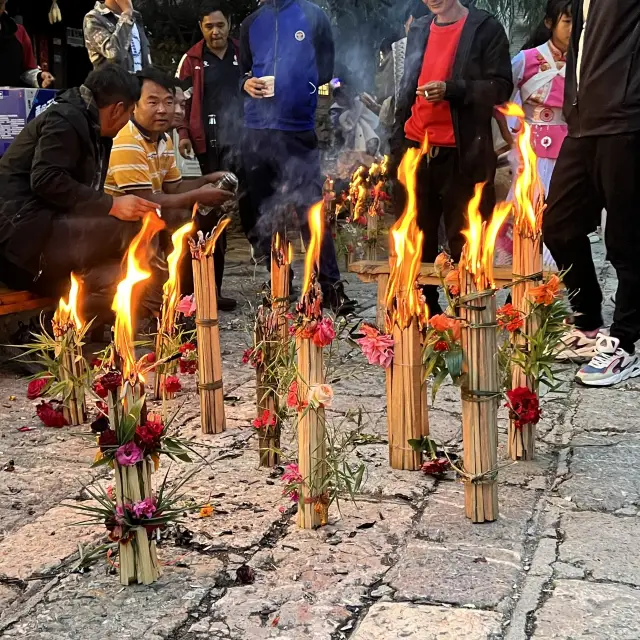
x,y
442,263
547,292
443,323
452,281
206,511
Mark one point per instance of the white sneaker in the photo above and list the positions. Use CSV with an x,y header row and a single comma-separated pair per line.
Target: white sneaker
x,y
576,346
611,366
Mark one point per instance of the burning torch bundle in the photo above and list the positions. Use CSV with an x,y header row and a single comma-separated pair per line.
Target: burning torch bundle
x,y
481,386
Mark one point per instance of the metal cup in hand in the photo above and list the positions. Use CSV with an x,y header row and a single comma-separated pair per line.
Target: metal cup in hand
x,y
228,182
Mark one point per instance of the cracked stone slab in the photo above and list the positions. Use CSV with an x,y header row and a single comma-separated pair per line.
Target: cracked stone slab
x,y
95,605
580,610
385,621
605,546
600,478
309,584
456,562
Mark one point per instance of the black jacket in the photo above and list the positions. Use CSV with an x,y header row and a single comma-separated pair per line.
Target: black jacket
x,y
481,79
56,166
607,102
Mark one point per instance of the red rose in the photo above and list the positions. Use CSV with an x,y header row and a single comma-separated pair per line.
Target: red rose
x,y
436,467
148,436
150,358
292,395
524,407
111,381
37,387
96,363
188,367
107,440
441,346
51,414
172,384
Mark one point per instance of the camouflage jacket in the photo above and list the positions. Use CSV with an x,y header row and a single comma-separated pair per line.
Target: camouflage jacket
x,y
108,37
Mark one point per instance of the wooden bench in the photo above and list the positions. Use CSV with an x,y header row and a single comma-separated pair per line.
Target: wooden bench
x,y
19,301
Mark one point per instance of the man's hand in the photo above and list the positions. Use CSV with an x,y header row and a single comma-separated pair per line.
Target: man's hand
x,y
211,197
46,80
212,178
126,6
255,87
433,91
131,208
185,148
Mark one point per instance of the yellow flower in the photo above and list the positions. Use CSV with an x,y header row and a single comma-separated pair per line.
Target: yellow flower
x,y
99,455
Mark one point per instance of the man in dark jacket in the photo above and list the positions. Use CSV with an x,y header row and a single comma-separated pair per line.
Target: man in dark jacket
x,y
54,216
599,167
211,75
286,53
457,69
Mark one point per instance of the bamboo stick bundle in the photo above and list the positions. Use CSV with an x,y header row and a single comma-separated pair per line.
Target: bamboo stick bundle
x,y
481,386
67,330
527,271
209,357
312,453
372,233
281,258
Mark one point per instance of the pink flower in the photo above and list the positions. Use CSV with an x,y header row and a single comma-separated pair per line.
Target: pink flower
x,y
291,474
129,454
37,387
324,333
292,395
376,347
111,492
187,306
267,419
145,508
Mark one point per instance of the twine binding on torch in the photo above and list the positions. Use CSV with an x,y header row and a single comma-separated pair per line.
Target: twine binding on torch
x,y
207,323
469,395
210,386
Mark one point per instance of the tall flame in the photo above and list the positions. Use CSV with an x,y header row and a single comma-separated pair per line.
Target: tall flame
x,y
137,271
66,315
406,240
528,189
312,259
478,253
171,287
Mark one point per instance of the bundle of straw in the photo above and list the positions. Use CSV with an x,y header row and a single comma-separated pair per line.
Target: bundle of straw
x,y
209,357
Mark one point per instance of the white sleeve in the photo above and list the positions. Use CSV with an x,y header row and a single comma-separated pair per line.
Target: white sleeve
x,y
517,71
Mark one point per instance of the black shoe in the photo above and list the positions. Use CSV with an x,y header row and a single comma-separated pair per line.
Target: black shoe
x,y
226,304
335,298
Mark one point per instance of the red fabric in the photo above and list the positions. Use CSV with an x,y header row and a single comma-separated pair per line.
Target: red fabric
x,y
434,118
28,59
193,68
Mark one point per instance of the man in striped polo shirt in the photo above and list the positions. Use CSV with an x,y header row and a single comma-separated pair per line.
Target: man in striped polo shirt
x,y
143,159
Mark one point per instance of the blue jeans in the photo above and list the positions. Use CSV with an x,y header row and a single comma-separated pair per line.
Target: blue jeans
x,y
283,174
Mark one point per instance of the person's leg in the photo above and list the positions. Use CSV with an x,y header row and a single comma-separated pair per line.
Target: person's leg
x,y
566,224
618,174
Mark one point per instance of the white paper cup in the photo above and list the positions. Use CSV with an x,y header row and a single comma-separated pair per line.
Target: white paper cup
x,y
270,88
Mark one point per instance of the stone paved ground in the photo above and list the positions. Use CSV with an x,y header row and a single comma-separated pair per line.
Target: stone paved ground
x,y
561,562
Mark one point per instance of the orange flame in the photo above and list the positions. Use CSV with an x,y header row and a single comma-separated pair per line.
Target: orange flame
x,y
137,271
171,287
406,240
312,259
528,189
289,253
477,256
66,315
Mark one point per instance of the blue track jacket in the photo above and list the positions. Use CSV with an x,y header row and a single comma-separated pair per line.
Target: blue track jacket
x,y
291,40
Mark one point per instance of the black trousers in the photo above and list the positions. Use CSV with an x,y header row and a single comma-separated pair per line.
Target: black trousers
x,y
443,191
91,247
595,173
283,172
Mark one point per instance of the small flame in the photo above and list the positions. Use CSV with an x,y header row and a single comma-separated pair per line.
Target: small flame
x,y
478,253
66,315
137,271
406,240
171,287
312,259
528,189
289,253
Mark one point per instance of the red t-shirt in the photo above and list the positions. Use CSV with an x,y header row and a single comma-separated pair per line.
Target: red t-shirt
x,y
434,118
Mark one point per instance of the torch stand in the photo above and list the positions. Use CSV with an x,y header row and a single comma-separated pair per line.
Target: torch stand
x,y
372,234
69,353
208,330
407,411
162,370
313,503
527,264
480,395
